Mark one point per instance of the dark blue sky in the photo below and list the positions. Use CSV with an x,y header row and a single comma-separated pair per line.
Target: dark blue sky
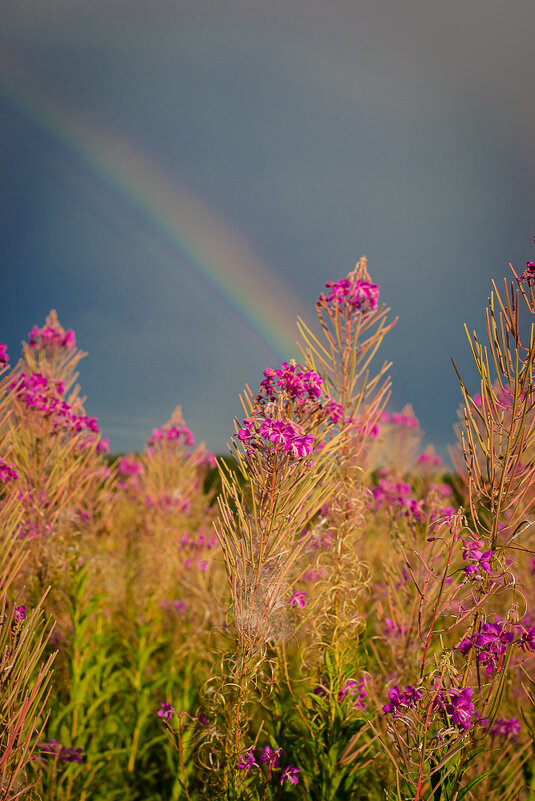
x,y
317,132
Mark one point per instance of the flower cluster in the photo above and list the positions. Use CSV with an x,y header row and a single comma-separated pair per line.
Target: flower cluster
x,y
479,560
396,495
270,758
356,690
355,294
176,606
396,418
366,430
283,434
19,614
400,701
61,752
36,391
297,383
7,472
507,728
529,273
430,459
527,639
172,432
51,337
490,642
128,466
333,410
392,629
457,705
4,358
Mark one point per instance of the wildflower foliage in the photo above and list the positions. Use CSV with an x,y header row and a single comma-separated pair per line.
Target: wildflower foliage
x,y
325,613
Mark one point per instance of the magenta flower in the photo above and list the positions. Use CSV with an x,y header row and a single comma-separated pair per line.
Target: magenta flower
x,y
356,689
44,395
19,614
458,705
404,420
128,466
490,642
298,384
283,434
527,640
334,411
430,459
290,775
103,445
506,728
465,645
298,599
4,358
270,756
171,432
7,472
354,294
392,629
166,712
529,273
462,707
480,561
246,760
49,337
61,752
402,700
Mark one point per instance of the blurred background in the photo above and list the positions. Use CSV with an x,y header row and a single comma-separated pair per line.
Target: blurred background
x,y
179,179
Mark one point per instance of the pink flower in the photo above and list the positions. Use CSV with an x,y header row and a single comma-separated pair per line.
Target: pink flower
x,y
404,420
354,688
290,775
7,472
298,599
529,273
104,445
166,712
355,294
297,383
430,458
128,466
270,756
51,337
283,434
246,760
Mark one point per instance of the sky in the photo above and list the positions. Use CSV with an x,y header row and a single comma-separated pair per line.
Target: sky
x,y
180,179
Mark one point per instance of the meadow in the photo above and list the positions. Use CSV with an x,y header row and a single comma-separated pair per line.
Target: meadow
x,y
326,612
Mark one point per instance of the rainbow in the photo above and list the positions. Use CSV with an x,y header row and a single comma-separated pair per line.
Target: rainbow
x,y
222,257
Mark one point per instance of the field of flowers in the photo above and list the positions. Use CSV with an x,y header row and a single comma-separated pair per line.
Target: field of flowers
x,y
325,613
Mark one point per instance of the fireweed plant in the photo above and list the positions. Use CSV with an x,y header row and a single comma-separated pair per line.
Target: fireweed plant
x,y
466,592
325,615
24,670
325,677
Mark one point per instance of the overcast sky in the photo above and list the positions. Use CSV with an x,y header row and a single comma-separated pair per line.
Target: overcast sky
x,y
181,178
